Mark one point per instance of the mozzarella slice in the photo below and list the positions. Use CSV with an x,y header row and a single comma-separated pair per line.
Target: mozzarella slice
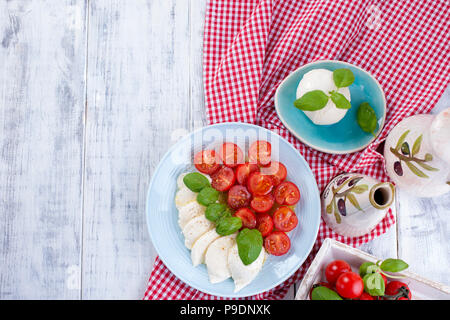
x,y
184,196
188,212
216,258
242,274
200,246
195,228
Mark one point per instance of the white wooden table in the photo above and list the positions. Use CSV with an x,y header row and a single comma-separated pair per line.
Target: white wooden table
x,y
92,94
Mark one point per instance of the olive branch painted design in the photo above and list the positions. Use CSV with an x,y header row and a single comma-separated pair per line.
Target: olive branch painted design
x,y
408,155
337,204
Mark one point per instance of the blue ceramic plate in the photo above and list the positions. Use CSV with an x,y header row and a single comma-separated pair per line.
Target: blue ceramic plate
x,y
345,136
162,215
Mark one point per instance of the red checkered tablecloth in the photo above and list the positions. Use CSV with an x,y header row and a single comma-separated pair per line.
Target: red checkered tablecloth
x,y
250,46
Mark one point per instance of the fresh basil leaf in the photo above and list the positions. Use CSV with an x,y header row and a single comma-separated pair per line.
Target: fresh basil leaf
x,y
366,118
215,211
374,284
343,77
340,100
366,267
207,196
249,244
393,265
312,101
195,181
228,225
323,293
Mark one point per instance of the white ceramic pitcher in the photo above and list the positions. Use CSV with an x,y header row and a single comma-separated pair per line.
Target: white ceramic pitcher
x,y
417,153
353,204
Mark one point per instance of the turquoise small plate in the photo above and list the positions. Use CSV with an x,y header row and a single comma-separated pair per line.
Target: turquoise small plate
x,y
162,215
340,138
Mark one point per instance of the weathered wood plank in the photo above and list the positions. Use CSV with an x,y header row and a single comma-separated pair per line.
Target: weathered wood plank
x,y
138,96
42,89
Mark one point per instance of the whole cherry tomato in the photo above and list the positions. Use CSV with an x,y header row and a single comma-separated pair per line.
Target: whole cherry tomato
x,y
397,290
365,296
335,269
349,285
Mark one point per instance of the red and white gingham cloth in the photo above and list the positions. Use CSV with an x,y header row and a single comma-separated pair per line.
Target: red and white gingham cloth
x,y
251,46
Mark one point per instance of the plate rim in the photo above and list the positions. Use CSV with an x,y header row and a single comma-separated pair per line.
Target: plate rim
x,y
308,143
234,294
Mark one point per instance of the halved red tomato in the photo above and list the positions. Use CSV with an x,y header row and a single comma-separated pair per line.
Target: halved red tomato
x,y
247,216
223,179
244,170
259,184
287,193
238,197
264,224
277,171
206,161
231,154
260,152
262,203
277,243
285,219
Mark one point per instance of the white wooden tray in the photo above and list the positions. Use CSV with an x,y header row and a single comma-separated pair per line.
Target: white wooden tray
x,y
421,288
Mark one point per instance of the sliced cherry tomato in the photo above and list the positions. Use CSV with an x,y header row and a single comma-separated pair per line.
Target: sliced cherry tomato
x,y
238,197
335,268
260,152
277,243
247,216
277,171
285,219
223,179
365,296
262,203
244,170
231,154
287,194
259,184
264,224
349,285
320,284
397,290
206,161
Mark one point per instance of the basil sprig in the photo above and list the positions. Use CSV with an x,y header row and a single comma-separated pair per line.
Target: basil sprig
x,y
317,99
323,293
195,181
393,265
366,118
249,244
